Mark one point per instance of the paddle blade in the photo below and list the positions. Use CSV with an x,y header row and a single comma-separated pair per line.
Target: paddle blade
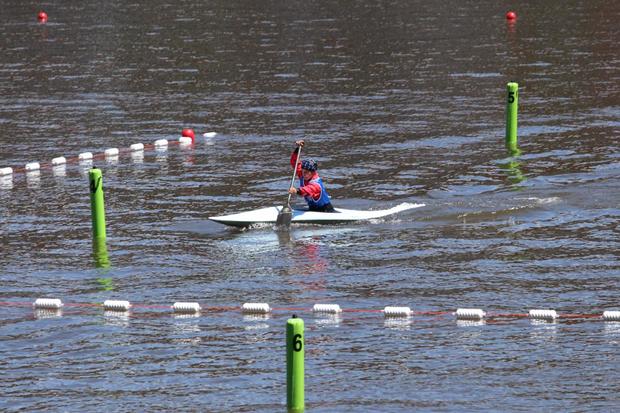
x,y
284,217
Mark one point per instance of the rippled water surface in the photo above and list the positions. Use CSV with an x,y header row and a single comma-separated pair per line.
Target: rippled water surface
x,y
399,101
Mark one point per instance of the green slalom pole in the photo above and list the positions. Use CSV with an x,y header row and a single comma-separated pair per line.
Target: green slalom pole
x,y
97,207
512,106
295,364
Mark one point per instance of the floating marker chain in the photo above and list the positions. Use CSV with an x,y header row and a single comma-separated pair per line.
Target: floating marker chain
x,y
51,305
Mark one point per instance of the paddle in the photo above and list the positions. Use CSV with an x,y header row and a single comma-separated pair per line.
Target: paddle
x,y
286,213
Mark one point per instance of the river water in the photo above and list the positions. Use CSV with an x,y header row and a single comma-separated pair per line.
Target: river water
x,y
399,101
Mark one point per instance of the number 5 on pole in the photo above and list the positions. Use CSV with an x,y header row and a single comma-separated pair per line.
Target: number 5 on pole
x,y
512,106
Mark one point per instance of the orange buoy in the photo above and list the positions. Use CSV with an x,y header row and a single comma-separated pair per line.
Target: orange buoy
x,y
42,17
511,15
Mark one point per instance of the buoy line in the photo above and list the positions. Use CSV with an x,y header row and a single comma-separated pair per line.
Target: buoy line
x,y
389,312
187,139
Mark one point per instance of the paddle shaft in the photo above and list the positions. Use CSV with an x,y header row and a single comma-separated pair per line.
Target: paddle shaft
x,y
288,202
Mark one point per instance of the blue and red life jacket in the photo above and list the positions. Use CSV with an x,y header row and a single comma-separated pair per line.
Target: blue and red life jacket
x,y
323,200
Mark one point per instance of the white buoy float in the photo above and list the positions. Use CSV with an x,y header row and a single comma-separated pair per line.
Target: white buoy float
x,y
161,143
327,308
390,311
470,314
48,303
61,160
85,156
32,166
543,314
186,307
111,153
255,308
6,171
136,147
611,315
116,305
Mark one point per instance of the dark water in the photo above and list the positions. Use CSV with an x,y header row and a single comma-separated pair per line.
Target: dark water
x,y
399,102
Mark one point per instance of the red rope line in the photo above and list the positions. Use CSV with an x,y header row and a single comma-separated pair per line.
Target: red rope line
x,y
82,305
292,309
356,310
432,312
221,309
569,316
152,306
16,304
508,315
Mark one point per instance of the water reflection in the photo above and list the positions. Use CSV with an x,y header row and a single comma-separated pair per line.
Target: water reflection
x,y
544,330
267,239
394,323
59,171
182,316
256,321
314,261
33,179
100,253
6,182
41,313
255,317
106,283
307,252
161,154
137,157
285,238
611,330
311,262
188,323
327,320
254,327
511,27
512,168
470,323
116,318
189,160
86,164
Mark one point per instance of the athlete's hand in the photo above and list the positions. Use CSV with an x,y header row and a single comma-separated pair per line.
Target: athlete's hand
x,y
292,190
300,143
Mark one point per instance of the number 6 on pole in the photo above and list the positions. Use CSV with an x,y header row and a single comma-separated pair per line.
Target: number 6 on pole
x,y
295,364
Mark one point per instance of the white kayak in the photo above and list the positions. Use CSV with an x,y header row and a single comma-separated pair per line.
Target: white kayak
x,y
269,215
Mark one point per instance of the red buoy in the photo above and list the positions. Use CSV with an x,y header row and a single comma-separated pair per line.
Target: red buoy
x,y
511,15
42,17
188,133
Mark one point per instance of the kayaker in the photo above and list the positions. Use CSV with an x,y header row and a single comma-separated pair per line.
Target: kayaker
x,y
310,183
